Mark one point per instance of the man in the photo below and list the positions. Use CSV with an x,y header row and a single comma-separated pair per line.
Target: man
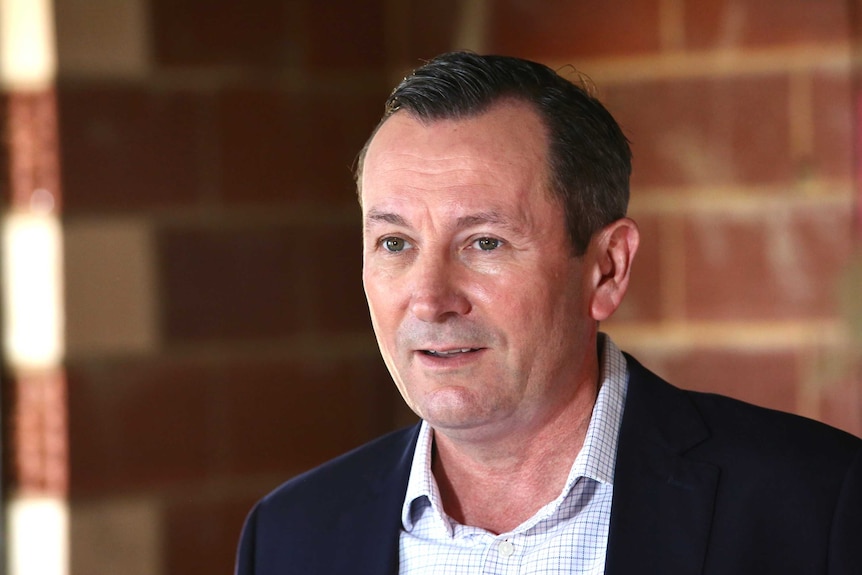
x,y
493,197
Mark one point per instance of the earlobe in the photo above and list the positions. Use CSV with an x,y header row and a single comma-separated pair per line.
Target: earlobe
x,y
614,248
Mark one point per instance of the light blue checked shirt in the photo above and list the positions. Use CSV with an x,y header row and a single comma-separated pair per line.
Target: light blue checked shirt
x,y
568,535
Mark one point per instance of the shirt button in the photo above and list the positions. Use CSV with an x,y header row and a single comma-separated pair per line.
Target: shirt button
x,y
505,548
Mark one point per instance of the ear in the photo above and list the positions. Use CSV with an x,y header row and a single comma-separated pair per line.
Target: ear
x,y
611,252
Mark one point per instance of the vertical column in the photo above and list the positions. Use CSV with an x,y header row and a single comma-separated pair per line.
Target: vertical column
x,y
854,17
34,432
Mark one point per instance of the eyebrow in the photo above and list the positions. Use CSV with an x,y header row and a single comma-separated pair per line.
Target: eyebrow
x,y
376,216
486,218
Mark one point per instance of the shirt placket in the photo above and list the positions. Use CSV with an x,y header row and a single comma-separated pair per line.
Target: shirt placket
x,y
503,555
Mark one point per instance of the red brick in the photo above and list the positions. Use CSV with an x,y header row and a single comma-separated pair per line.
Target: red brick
x,y
561,29
432,29
742,23
835,125
775,265
225,284
643,300
340,303
138,424
284,147
283,417
253,283
346,35
29,154
221,32
706,131
36,450
130,147
202,536
766,378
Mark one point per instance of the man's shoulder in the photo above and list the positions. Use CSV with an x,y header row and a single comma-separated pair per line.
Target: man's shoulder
x,y
325,519
745,431
755,433
366,468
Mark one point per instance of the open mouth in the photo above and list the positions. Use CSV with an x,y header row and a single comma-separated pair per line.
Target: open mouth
x,y
449,352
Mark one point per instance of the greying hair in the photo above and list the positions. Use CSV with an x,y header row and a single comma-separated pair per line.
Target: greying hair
x,y
588,155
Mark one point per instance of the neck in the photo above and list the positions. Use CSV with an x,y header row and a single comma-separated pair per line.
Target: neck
x,y
497,485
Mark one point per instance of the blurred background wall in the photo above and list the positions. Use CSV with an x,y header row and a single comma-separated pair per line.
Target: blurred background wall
x,y
217,339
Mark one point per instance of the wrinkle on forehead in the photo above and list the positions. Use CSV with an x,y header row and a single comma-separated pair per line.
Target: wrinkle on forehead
x,y
518,122
472,171
469,220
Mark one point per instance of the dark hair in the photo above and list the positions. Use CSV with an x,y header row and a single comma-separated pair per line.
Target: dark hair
x,y
588,154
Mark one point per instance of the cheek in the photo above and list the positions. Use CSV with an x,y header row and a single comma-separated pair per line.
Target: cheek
x,y
535,313
374,288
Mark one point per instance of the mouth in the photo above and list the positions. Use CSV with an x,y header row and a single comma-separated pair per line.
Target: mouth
x,y
449,352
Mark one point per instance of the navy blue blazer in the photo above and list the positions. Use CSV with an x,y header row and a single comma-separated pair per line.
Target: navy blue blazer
x,y
703,484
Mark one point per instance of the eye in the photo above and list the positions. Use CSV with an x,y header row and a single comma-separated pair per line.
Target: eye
x,y
394,244
487,244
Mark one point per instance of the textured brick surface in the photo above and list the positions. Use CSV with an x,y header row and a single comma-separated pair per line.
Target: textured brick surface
x,y
756,23
36,454
153,424
232,284
29,155
201,536
560,29
706,131
139,424
285,417
765,378
252,283
281,146
102,37
255,33
130,147
833,125
432,29
778,265
338,294
107,534
346,34
110,287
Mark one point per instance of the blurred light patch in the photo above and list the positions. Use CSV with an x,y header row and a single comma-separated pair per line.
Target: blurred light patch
x,y
32,268
37,536
42,202
27,54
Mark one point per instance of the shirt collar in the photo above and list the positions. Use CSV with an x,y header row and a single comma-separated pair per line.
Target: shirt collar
x,y
596,459
421,482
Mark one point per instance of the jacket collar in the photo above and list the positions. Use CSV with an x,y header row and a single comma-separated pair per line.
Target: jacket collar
x,y
365,538
663,500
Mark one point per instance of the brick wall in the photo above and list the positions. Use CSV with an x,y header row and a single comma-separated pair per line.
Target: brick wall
x,y
218,340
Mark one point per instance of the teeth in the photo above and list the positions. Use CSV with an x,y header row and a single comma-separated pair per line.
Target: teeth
x,y
449,353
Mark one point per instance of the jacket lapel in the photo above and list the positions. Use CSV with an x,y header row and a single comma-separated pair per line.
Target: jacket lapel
x,y
365,538
663,501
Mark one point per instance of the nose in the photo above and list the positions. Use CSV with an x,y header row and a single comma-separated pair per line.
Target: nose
x,y
437,289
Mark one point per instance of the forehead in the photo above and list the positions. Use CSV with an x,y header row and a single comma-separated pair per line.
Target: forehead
x,y
502,149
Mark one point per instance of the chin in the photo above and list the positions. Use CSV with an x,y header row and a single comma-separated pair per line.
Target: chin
x,y
460,419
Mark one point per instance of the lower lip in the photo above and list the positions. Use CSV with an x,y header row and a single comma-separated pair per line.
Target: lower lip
x,y
449,362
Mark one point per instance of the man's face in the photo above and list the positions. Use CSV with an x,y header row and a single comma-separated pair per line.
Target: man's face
x,y
480,309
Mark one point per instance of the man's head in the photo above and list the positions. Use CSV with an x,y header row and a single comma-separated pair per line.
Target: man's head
x,y
484,314
588,155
